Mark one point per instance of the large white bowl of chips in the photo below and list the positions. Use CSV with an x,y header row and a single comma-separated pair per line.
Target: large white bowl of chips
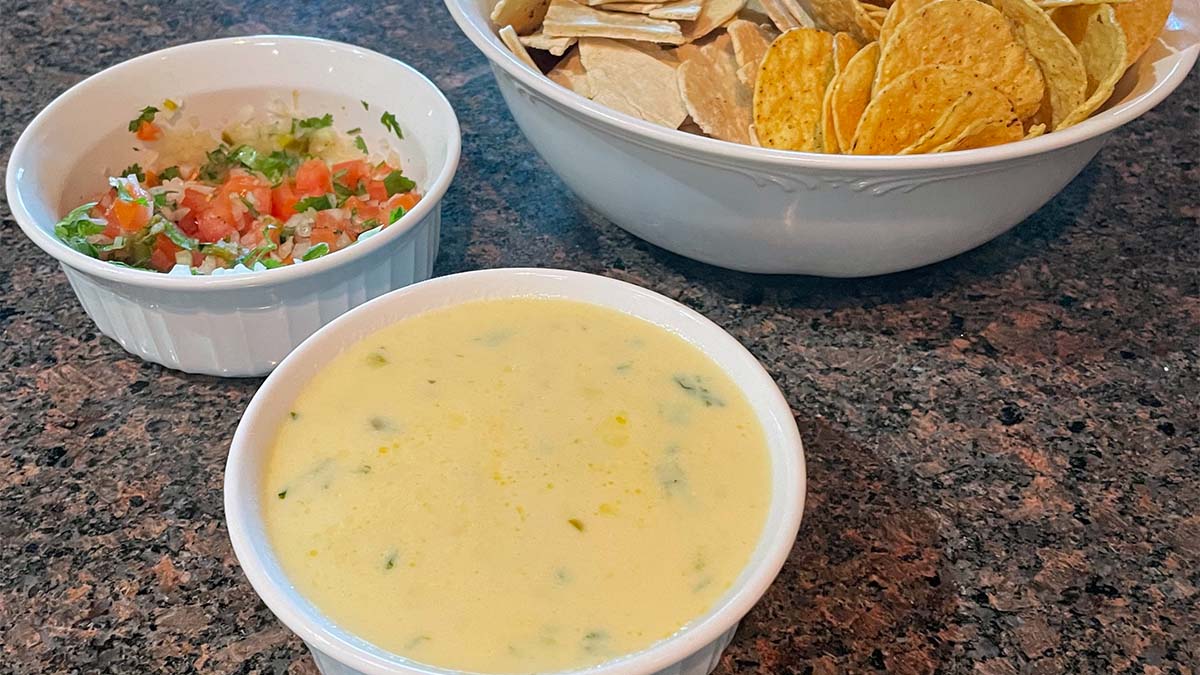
x,y
759,210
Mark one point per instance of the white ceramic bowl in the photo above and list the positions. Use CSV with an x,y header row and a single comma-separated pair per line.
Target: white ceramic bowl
x,y
693,651
760,210
234,325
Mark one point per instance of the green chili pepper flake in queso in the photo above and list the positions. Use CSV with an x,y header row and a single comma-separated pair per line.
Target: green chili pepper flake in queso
x,y
269,193
551,485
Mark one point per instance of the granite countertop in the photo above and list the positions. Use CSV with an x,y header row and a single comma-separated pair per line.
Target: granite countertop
x,y
1002,449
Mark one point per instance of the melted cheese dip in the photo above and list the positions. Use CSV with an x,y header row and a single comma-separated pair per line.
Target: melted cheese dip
x,y
518,485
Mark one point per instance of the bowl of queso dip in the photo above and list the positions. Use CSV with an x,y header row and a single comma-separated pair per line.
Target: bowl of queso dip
x,y
516,471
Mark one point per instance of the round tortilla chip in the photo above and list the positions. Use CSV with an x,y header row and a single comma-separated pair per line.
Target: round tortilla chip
x,y
843,16
973,114
897,13
970,35
907,108
1142,21
1061,64
790,88
1102,45
852,92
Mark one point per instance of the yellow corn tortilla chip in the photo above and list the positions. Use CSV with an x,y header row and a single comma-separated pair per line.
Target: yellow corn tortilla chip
x,y
750,43
632,81
555,45
632,7
509,37
851,93
523,15
566,18
1035,131
713,15
790,89
909,106
1142,21
1059,60
681,10
1053,4
1101,43
970,35
974,113
994,133
844,47
570,73
896,14
843,16
828,140
715,99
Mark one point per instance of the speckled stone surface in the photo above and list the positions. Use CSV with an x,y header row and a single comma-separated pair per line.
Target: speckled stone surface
x,y
1003,463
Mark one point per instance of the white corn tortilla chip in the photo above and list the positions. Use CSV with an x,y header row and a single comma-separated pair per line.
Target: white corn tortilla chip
x,y
681,10
555,45
509,36
566,18
632,7
750,44
714,15
631,81
716,100
523,15
570,73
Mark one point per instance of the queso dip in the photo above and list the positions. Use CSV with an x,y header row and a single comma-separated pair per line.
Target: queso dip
x,y
515,486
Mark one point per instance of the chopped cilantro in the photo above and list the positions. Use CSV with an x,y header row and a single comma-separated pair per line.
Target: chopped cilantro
x,y
225,250
310,123
365,105
123,193
369,224
396,182
315,203
355,130
270,263
315,252
389,122
146,116
160,225
397,214
361,144
134,169
169,173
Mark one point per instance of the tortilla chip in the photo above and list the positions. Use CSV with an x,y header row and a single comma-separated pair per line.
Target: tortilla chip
x,y
974,114
523,15
681,10
570,73
632,7
896,14
716,100
844,47
843,16
1059,60
1104,50
629,80
509,37
791,88
750,43
713,15
1142,21
555,45
909,106
1035,131
852,93
566,18
1053,4
965,34
828,140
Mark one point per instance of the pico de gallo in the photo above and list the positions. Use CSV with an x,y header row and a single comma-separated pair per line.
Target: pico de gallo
x,y
275,201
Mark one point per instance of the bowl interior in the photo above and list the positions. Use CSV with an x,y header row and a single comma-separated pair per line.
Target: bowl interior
x,y
1152,78
81,138
272,402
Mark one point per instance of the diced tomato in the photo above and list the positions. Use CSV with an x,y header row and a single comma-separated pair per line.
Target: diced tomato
x,y
211,226
133,213
376,191
405,199
327,228
196,202
162,258
352,172
283,201
361,208
148,131
236,196
313,179
151,178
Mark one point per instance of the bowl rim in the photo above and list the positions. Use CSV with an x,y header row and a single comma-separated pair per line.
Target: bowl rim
x,y
430,201
647,132
763,393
